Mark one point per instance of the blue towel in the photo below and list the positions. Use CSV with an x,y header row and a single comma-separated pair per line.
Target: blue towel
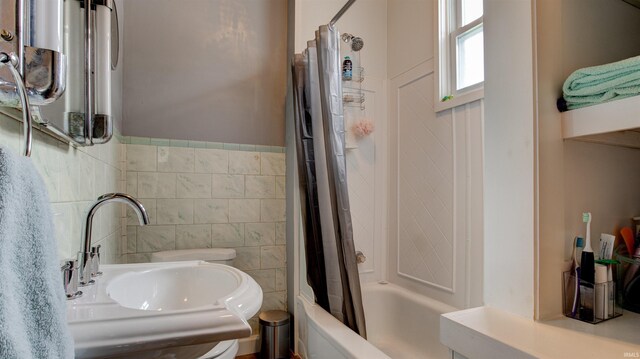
x,y
32,302
597,84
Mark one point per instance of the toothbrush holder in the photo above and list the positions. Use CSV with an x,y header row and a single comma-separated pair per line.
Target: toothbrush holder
x,y
596,304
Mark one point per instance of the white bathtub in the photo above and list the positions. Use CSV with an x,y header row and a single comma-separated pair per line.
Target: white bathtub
x,y
400,324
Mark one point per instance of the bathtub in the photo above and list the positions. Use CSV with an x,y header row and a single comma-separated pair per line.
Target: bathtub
x,y
400,324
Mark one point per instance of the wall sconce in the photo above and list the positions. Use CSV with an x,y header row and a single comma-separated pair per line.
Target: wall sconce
x,y
98,122
30,44
32,30
88,115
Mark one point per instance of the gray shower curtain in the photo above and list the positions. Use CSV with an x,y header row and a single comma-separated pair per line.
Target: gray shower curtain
x,y
332,270
316,275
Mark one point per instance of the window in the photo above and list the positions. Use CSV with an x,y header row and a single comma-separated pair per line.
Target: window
x,y
460,52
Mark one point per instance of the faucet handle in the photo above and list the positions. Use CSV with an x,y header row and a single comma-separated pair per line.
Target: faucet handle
x,y
95,261
84,276
69,270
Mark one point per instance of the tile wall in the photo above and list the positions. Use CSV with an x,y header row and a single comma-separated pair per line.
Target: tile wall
x,y
203,195
74,178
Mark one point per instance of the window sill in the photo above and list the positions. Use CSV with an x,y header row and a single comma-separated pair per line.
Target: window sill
x,y
459,100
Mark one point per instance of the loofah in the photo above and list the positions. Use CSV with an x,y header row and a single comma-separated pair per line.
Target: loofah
x,y
363,128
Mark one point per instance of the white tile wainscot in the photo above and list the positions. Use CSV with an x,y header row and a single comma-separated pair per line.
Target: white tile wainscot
x,y
203,198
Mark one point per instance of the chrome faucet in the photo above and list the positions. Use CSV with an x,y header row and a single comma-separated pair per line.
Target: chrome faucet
x,y
89,256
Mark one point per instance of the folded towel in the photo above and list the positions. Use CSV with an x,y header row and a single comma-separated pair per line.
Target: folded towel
x,y
32,302
597,84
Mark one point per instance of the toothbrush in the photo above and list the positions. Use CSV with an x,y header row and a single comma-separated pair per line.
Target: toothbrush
x,y
587,273
586,262
576,268
586,218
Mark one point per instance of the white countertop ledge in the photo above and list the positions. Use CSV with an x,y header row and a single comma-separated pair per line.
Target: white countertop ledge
x,y
491,333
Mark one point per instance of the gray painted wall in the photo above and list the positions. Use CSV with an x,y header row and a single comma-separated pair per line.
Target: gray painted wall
x,y
207,70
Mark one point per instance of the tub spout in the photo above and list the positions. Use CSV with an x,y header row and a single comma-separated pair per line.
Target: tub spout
x,y
85,255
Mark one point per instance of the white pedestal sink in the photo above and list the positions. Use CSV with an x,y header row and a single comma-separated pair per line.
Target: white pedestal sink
x,y
162,310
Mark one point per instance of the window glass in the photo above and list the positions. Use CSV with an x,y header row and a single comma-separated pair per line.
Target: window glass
x,y
460,54
471,10
470,58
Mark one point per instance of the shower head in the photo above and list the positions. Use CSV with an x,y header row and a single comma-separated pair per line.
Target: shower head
x,y
357,43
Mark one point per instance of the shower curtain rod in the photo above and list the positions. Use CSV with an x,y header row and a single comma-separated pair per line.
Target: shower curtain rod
x,y
341,12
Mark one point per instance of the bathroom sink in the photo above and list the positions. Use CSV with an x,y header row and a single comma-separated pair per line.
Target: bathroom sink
x,y
174,288
152,310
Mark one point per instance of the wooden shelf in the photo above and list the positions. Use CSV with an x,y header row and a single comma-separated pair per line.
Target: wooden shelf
x,y
614,123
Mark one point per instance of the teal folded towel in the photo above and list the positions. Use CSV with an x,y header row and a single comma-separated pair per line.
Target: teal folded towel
x,y
32,302
597,84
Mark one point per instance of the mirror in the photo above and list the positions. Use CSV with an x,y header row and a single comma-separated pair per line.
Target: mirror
x,y
67,114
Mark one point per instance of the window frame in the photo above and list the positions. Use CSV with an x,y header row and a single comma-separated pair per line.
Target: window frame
x,y
449,14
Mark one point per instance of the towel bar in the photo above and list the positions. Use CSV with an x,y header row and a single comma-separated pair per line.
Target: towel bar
x,y
12,61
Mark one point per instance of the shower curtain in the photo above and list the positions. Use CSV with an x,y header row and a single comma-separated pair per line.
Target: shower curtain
x,y
332,270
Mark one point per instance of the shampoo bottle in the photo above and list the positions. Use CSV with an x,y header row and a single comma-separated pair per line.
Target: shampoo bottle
x,y
347,69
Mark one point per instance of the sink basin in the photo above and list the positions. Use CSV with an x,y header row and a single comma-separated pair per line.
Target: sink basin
x,y
173,288
152,310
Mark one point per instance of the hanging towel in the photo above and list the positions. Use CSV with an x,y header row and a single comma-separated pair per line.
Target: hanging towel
x,y
597,84
32,301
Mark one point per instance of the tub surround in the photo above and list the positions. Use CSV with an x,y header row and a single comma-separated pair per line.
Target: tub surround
x,y
208,195
486,332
